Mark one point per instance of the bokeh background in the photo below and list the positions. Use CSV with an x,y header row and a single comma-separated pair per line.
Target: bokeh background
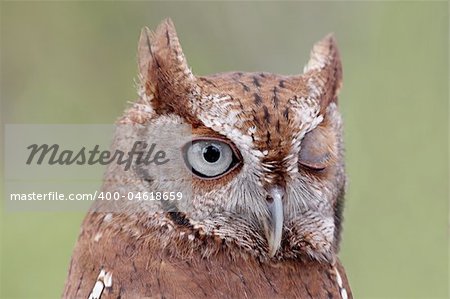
x,y
74,62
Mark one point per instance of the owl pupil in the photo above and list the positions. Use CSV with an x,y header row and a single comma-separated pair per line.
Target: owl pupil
x,y
211,154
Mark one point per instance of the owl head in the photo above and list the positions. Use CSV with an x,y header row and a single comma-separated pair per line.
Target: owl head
x,y
263,157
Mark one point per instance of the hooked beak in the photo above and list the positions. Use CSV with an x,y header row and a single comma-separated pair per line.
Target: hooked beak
x,y
274,226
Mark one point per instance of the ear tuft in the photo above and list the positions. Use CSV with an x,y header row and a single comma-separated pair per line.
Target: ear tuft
x,y
144,54
163,70
168,52
324,71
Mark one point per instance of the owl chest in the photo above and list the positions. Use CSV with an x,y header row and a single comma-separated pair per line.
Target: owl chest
x,y
142,270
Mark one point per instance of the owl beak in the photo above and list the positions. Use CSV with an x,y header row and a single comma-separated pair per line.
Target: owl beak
x,y
274,227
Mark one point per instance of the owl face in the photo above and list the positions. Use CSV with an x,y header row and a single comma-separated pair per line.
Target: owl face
x,y
265,155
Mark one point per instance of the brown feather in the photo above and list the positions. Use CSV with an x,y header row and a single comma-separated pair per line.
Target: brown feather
x,y
141,268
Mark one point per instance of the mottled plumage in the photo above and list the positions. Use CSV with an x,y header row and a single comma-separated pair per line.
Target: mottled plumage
x,y
266,227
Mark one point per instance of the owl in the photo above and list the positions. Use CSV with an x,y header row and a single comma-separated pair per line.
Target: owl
x,y
244,198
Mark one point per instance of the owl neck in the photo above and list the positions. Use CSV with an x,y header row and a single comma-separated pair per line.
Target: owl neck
x,y
157,258
174,235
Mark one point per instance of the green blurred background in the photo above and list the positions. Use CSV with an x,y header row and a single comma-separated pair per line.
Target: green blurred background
x,y
74,62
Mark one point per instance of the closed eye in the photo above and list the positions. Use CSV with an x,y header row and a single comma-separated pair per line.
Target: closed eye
x,y
315,153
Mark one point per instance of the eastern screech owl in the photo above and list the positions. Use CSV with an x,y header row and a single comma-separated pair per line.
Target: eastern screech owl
x,y
266,173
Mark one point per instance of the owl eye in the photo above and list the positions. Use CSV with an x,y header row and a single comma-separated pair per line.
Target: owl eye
x,y
210,158
315,152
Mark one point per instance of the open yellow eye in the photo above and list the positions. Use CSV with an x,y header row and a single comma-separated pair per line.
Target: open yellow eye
x,y
210,158
315,152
